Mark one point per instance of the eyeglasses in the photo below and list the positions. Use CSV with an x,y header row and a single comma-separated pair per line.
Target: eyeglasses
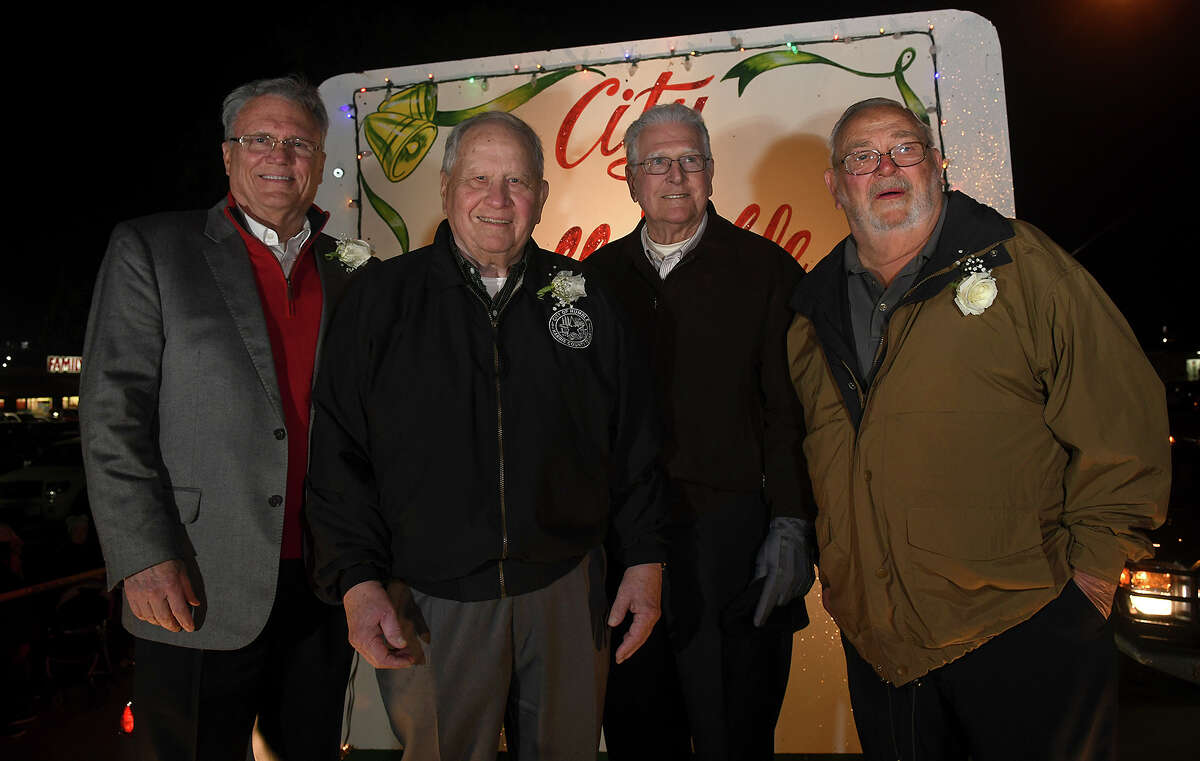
x,y
867,161
691,163
263,143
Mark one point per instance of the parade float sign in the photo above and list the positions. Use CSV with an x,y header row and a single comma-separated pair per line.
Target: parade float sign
x,y
769,96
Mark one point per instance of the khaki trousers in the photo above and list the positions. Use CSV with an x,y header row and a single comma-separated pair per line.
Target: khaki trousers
x,y
535,664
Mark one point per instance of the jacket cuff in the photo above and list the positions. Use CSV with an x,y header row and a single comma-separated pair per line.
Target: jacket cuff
x,y
646,552
357,574
1104,560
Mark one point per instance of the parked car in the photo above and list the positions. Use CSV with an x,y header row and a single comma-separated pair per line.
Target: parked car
x,y
1158,600
51,487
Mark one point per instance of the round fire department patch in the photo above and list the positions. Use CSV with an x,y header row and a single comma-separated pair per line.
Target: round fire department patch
x,y
571,327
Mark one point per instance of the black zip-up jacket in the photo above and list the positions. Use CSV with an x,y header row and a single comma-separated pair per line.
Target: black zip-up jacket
x,y
716,327
473,454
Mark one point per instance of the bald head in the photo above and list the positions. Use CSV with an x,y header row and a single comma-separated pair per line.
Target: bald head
x,y
836,138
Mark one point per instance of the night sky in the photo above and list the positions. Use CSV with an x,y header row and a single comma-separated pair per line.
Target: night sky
x,y
114,119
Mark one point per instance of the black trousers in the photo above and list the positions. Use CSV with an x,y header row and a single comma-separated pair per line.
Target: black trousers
x,y
1044,689
698,682
200,705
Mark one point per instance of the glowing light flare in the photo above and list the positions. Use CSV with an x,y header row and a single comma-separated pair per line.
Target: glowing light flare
x,y
1151,606
1148,581
127,718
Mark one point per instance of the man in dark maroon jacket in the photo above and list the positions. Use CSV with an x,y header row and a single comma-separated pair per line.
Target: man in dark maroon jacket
x,y
710,299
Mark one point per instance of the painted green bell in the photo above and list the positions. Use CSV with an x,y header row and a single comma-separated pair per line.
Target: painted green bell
x,y
402,131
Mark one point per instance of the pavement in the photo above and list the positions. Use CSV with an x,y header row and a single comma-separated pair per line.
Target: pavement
x,y
1159,721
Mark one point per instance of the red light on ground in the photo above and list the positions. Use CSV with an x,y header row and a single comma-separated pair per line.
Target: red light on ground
x,y
127,719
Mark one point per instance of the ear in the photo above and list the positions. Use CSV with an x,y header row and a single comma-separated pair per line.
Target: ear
x,y
444,186
318,166
543,194
940,164
629,182
830,180
226,155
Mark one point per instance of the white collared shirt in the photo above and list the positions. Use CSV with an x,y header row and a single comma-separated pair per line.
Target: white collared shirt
x,y
664,256
288,253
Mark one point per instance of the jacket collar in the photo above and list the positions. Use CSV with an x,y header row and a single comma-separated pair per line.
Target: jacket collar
x,y
225,214
444,272
635,254
822,296
970,229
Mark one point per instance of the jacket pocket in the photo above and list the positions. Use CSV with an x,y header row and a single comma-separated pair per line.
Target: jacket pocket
x,y
187,502
979,548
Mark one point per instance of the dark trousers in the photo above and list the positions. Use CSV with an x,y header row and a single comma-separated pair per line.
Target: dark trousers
x,y
700,682
200,705
1044,689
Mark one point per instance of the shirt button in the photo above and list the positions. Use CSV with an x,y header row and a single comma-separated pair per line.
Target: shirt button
x,y
280,434
883,307
851,385
881,573
900,670
867,476
275,500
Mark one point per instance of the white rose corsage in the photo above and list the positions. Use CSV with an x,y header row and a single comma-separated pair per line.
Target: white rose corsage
x,y
565,287
351,253
975,292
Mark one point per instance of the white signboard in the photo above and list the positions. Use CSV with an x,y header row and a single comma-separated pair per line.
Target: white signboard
x,y
769,96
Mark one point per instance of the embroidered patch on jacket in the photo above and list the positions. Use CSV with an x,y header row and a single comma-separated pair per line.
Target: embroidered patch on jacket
x,y
571,327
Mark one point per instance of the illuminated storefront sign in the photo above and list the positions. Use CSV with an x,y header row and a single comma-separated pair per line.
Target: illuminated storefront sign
x,y
57,364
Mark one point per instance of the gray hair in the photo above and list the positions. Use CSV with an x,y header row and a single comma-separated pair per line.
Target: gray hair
x,y
292,87
523,131
666,113
923,129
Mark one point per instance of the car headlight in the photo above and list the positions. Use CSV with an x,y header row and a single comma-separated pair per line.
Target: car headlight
x,y
55,489
1159,593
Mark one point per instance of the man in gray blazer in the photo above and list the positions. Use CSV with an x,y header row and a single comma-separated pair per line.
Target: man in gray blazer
x,y
199,362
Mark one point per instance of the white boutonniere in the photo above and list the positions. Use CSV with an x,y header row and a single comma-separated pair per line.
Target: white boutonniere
x,y
975,292
565,287
351,253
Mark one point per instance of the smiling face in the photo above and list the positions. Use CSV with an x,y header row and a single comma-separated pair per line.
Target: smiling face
x,y
674,202
275,188
891,197
493,197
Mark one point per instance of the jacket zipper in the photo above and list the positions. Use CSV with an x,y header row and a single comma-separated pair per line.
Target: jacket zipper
x,y
500,445
883,339
864,393
494,320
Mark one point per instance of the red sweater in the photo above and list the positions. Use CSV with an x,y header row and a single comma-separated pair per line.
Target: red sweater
x,y
292,309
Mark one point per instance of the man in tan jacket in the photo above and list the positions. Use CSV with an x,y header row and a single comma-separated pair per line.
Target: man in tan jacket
x,y
986,440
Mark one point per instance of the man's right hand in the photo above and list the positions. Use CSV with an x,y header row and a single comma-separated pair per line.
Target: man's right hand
x,y
375,627
162,595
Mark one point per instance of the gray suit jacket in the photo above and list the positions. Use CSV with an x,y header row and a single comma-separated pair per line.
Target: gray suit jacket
x,y
181,418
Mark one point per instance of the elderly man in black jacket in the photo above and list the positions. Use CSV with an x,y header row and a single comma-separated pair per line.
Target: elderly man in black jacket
x,y
710,301
482,419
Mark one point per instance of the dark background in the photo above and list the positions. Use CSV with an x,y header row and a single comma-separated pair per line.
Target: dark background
x,y
116,116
